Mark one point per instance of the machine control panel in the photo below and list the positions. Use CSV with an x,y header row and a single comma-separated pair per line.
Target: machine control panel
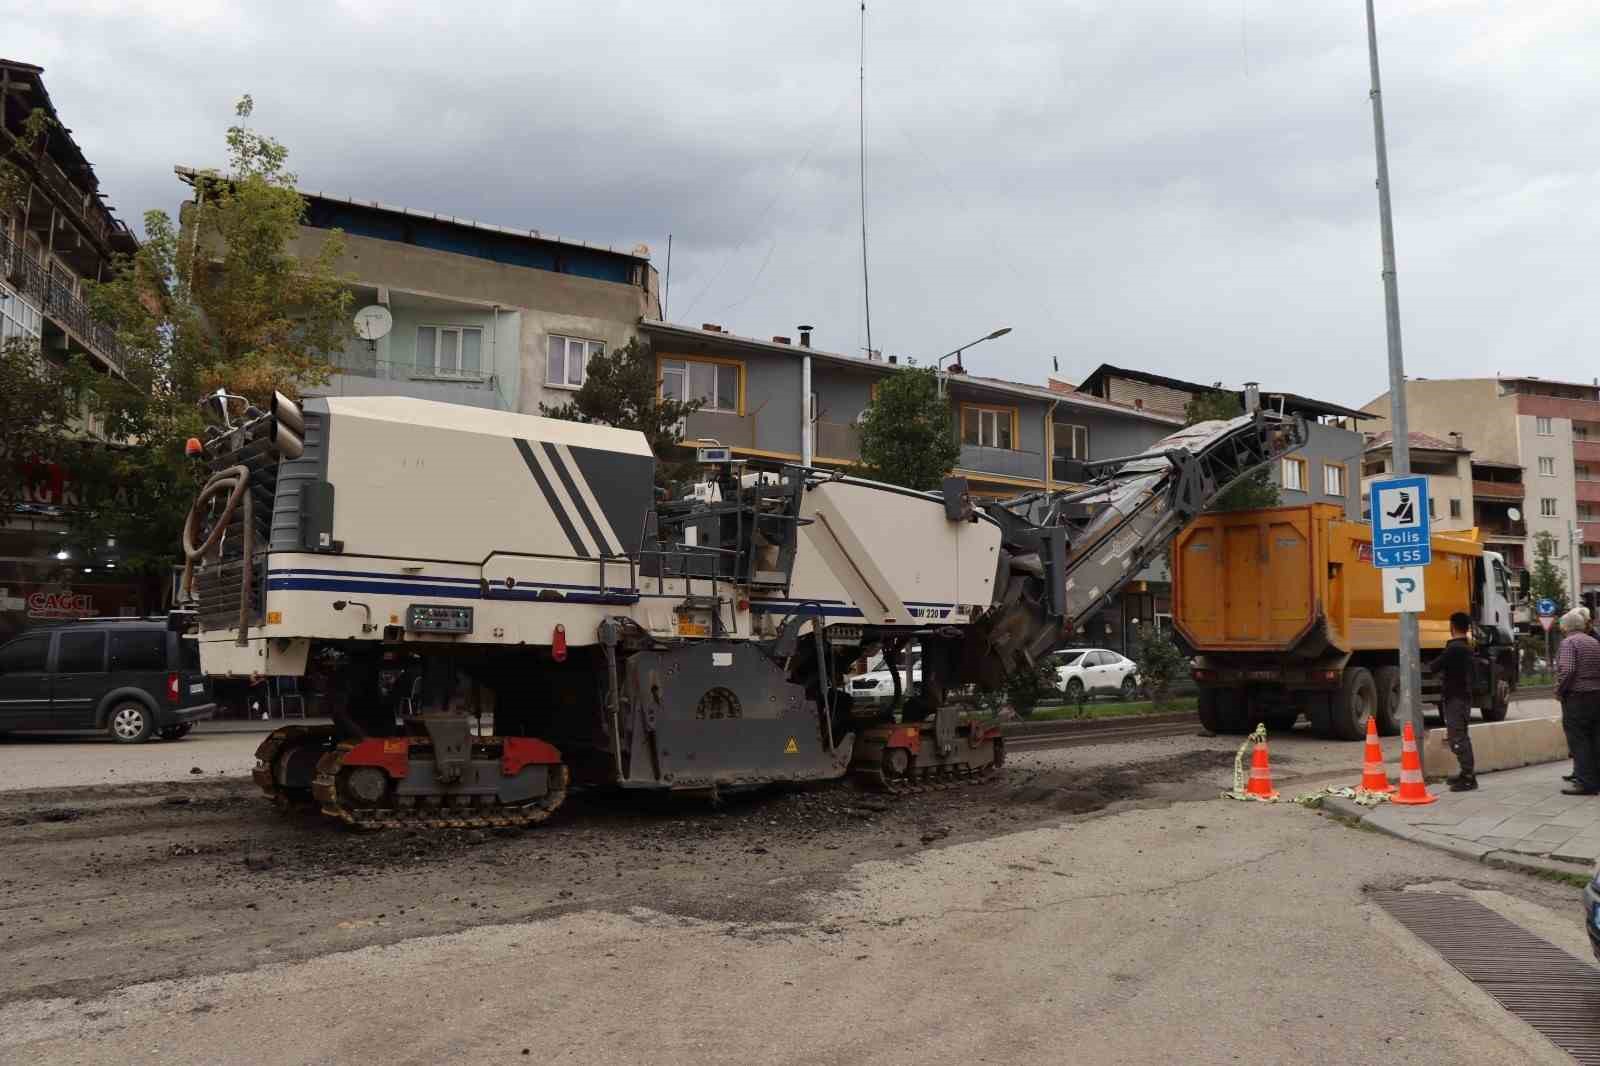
x,y
431,618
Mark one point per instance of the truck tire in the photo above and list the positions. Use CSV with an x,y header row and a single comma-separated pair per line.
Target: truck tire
x,y
1222,710
1358,700
1387,679
1500,702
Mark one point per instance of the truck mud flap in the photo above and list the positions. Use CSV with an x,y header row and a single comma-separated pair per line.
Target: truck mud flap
x,y
714,714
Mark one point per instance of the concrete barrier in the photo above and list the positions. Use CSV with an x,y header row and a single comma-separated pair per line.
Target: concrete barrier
x,y
1499,745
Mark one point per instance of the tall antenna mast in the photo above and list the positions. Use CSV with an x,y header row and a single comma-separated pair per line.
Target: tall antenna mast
x,y
866,285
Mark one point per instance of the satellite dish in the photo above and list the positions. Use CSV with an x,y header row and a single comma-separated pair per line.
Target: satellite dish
x,y
373,322
1514,514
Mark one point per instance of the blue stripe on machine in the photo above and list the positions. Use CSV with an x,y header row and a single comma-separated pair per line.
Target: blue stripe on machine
x,y
569,593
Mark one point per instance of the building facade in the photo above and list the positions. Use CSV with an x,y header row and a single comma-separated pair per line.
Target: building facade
x,y
479,314
1447,466
1325,470
1535,460
56,239
783,399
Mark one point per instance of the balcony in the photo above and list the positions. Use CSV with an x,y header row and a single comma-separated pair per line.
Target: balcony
x,y
1003,462
356,376
724,427
1068,471
1587,491
69,314
1590,573
837,440
1585,450
1504,527
1558,407
1498,490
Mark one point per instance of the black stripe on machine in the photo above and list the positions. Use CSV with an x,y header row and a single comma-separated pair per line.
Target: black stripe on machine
x,y
601,543
550,497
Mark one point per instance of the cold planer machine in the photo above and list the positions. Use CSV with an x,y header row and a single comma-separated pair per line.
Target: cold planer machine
x,y
425,568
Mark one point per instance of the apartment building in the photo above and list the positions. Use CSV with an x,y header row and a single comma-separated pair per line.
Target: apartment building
x,y
56,239
1325,470
1447,466
477,314
788,400
1535,460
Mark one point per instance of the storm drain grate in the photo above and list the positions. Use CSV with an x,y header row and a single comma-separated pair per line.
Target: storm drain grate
x,y
1530,977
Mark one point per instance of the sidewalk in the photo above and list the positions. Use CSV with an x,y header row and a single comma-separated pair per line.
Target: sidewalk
x,y
1516,817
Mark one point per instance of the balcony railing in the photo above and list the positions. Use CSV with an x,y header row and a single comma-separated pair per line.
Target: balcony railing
x,y
1002,461
724,427
59,304
1587,491
1585,450
837,440
1499,490
1068,471
1503,528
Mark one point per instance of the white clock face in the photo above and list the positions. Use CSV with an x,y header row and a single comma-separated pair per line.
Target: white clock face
x,y
373,322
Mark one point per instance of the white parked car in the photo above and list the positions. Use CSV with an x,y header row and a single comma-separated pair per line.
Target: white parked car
x,y
1089,672
877,684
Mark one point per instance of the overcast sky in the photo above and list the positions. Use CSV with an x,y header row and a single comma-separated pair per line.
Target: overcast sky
x,y
1178,185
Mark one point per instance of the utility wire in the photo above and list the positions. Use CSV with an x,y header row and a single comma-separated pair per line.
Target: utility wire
x,y
866,286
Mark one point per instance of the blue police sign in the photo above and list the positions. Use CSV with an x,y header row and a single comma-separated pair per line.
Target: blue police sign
x,y
1400,534
1546,606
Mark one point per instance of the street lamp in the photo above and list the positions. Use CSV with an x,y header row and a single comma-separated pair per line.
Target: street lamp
x,y
939,364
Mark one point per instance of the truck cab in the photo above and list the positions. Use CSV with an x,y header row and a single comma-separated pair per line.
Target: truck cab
x,y
1496,600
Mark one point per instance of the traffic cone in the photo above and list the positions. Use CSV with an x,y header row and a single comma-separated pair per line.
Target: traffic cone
x,y
1260,783
1412,788
1373,777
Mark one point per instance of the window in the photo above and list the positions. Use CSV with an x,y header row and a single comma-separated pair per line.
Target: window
x,y
1585,512
18,317
1547,507
1590,551
1071,442
568,358
1333,480
1294,475
1373,467
1547,466
81,653
25,655
139,649
1580,432
716,385
450,350
1433,509
1581,472
989,427
1455,508
1542,426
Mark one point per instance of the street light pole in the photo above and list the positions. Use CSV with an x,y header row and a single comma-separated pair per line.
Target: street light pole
x,y
938,365
1410,643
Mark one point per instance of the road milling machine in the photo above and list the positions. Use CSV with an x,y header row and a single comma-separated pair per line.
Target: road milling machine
x,y
427,566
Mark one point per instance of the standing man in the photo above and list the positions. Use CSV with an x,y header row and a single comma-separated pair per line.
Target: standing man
x,y
1455,666
1578,688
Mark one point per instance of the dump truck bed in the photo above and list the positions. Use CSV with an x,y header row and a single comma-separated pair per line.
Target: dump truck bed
x,y
1300,581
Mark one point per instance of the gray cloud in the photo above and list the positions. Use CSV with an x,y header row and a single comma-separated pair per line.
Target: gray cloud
x,y
1178,186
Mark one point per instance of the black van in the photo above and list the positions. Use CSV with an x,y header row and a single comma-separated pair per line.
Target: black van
x,y
132,677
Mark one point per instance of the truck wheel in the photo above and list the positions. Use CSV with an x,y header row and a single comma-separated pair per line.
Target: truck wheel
x,y
1358,701
1222,710
1387,679
130,722
1207,707
1501,705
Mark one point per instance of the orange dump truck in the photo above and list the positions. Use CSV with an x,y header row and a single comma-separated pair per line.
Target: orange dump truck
x,y
1281,610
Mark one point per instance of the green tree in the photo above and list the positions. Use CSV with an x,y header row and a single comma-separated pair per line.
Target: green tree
x,y
1026,689
226,300
1546,581
622,389
906,436
1257,489
1160,662
40,411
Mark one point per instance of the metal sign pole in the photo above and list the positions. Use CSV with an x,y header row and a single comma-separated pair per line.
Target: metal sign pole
x,y
1410,651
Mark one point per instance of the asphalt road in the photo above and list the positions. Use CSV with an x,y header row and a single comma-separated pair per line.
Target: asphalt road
x,y
1087,905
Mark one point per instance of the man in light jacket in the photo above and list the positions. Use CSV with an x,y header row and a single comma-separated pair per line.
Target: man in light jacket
x,y
1578,688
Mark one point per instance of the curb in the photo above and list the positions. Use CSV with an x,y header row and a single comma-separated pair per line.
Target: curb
x,y
1508,860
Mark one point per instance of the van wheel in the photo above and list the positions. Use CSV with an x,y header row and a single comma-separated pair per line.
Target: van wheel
x,y
1358,701
1387,680
130,723
176,732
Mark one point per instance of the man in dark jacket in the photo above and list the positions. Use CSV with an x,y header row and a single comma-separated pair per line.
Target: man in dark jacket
x,y
1578,688
1454,665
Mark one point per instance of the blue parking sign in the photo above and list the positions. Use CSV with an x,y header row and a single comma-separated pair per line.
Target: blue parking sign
x,y
1400,526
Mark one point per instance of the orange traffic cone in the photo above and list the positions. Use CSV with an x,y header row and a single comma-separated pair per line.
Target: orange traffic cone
x,y
1260,783
1412,788
1373,777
